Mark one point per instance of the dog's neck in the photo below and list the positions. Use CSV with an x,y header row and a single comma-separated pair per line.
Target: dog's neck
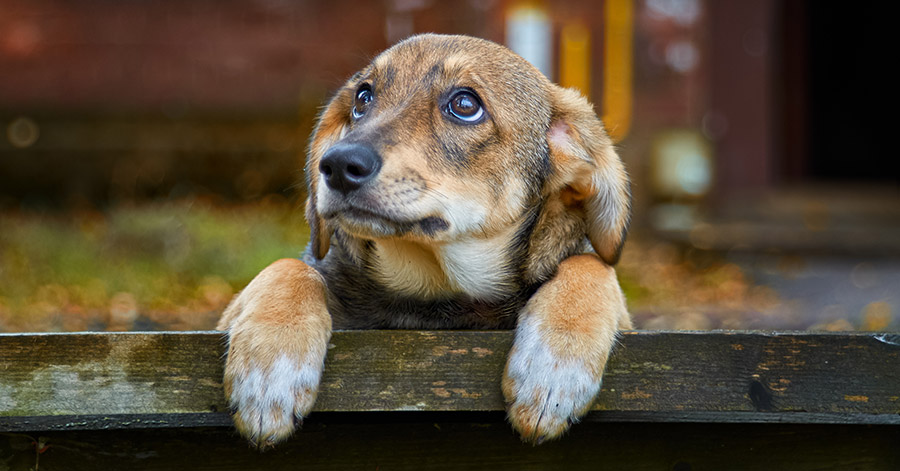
x,y
478,267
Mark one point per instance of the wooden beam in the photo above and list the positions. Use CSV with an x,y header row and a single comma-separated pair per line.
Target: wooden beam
x,y
451,445
97,381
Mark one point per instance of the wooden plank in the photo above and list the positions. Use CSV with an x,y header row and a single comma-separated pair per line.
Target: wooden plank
x,y
173,379
487,444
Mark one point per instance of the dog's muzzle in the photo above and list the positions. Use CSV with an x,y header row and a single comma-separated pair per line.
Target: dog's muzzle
x,y
348,166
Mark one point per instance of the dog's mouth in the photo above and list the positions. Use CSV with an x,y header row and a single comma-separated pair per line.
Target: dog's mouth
x,y
366,222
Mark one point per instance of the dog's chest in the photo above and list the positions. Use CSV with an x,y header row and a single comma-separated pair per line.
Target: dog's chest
x,y
361,297
476,269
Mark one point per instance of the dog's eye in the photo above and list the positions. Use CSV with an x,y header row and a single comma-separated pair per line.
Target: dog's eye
x,y
465,106
364,96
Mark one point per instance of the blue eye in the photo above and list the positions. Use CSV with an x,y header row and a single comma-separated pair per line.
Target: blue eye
x,y
465,106
364,96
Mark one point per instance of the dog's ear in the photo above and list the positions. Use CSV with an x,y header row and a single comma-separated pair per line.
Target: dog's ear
x,y
330,128
588,176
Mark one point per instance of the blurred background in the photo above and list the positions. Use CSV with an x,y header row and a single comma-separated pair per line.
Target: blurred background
x,y
151,151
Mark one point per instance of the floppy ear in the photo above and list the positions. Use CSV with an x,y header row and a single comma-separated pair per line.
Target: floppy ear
x,y
588,175
330,128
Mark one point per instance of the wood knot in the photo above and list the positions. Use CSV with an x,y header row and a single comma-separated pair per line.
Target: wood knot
x,y
760,396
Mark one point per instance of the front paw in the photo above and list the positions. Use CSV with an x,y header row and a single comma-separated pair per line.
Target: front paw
x,y
269,396
278,333
546,391
563,338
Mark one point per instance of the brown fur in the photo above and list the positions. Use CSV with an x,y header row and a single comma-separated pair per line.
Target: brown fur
x,y
463,225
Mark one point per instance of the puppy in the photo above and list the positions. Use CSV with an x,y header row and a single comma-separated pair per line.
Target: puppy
x,y
450,185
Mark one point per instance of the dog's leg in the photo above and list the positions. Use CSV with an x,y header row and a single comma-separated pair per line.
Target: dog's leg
x,y
278,332
564,336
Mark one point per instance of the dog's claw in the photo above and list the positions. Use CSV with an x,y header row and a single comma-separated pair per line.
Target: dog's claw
x,y
268,443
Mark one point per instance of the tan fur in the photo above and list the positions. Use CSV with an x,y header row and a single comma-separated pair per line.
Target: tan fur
x,y
579,312
462,225
410,268
594,174
282,312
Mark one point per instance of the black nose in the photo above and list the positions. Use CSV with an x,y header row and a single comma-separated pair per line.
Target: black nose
x,y
347,167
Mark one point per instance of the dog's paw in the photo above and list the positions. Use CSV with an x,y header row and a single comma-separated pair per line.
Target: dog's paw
x,y
269,399
563,339
278,333
546,391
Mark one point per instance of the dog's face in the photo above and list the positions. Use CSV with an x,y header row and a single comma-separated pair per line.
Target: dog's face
x,y
446,139
427,136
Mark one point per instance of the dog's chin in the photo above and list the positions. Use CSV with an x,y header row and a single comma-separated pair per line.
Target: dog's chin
x,y
366,226
370,225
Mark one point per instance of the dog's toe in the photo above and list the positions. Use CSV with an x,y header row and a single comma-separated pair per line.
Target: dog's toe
x,y
270,402
546,393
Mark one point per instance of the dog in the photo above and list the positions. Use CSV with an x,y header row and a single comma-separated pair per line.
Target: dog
x,y
450,185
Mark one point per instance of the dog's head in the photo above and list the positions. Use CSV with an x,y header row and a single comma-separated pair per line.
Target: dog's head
x,y
449,138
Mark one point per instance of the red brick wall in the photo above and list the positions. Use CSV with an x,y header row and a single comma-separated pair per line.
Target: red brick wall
x,y
175,54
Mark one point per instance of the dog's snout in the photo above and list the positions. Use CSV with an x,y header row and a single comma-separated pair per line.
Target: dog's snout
x,y
346,167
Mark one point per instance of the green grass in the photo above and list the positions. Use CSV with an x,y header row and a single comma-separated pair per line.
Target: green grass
x,y
175,264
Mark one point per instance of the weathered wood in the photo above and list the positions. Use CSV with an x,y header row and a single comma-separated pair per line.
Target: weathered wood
x,y
409,400
451,445
165,380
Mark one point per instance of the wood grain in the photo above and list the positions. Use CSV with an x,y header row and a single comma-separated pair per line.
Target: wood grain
x,y
173,379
